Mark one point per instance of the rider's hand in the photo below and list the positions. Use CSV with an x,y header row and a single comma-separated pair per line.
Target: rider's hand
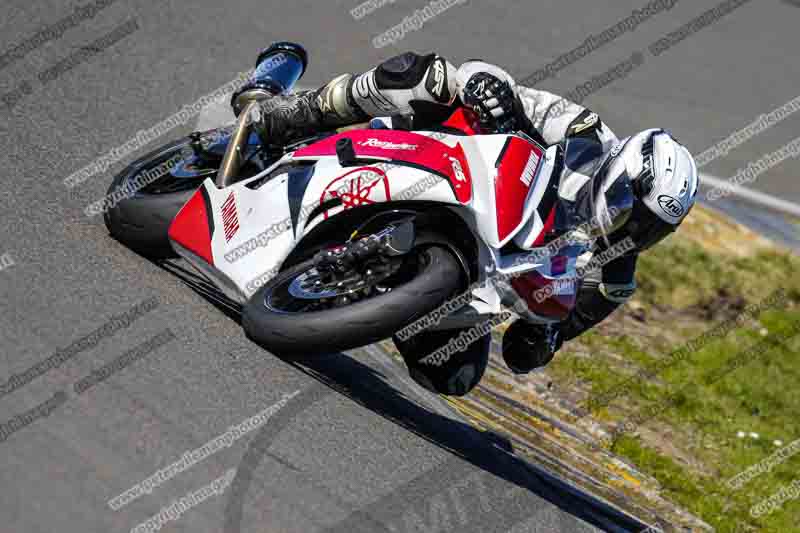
x,y
495,102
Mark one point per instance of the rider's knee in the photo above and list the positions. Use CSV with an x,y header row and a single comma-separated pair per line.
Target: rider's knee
x,y
457,381
427,77
450,363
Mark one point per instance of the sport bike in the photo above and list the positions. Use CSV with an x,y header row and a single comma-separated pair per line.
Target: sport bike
x,y
343,239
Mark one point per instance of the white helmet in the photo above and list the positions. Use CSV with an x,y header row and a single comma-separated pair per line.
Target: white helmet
x,y
664,179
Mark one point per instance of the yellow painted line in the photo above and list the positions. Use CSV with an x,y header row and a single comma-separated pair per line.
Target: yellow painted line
x,y
519,416
553,430
622,473
469,412
502,425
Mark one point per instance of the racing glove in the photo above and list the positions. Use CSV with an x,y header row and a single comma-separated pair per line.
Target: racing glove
x,y
497,104
283,118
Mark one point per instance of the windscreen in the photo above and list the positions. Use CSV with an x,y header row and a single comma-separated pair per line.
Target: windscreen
x,y
599,196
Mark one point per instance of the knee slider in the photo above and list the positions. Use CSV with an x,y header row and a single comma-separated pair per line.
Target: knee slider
x,y
404,71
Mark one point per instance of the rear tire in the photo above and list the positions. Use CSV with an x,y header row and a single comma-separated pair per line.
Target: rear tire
x,y
356,324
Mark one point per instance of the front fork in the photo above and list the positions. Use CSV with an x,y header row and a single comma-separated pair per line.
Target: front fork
x,y
234,154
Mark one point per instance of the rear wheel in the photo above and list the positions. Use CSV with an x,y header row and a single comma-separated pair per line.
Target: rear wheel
x,y
302,311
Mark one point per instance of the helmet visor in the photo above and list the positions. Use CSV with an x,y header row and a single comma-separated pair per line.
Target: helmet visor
x,y
646,228
604,203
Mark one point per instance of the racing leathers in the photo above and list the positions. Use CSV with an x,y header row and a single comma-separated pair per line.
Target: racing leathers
x,y
428,88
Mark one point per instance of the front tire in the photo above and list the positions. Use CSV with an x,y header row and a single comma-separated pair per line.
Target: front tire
x,y
141,221
356,324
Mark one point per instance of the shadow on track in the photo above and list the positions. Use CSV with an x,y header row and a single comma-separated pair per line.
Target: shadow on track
x,y
486,451
369,388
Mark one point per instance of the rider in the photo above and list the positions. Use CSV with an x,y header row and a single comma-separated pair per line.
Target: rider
x,y
661,171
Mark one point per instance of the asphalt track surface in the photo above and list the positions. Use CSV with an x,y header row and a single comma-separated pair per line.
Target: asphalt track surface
x,y
358,448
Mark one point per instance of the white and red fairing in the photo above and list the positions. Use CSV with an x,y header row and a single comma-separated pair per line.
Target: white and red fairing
x,y
499,184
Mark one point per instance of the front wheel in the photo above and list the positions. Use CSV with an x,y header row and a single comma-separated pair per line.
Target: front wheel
x,y
298,313
151,196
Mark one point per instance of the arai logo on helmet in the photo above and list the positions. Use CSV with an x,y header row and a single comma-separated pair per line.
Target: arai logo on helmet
x,y
670,205
386,145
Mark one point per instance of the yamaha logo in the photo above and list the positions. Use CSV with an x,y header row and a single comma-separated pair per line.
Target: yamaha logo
x,y
670,205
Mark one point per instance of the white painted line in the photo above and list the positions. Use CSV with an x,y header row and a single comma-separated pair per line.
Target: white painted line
x,y
756,197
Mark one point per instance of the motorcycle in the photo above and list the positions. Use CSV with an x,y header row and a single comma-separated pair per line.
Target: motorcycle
x,y
346,238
